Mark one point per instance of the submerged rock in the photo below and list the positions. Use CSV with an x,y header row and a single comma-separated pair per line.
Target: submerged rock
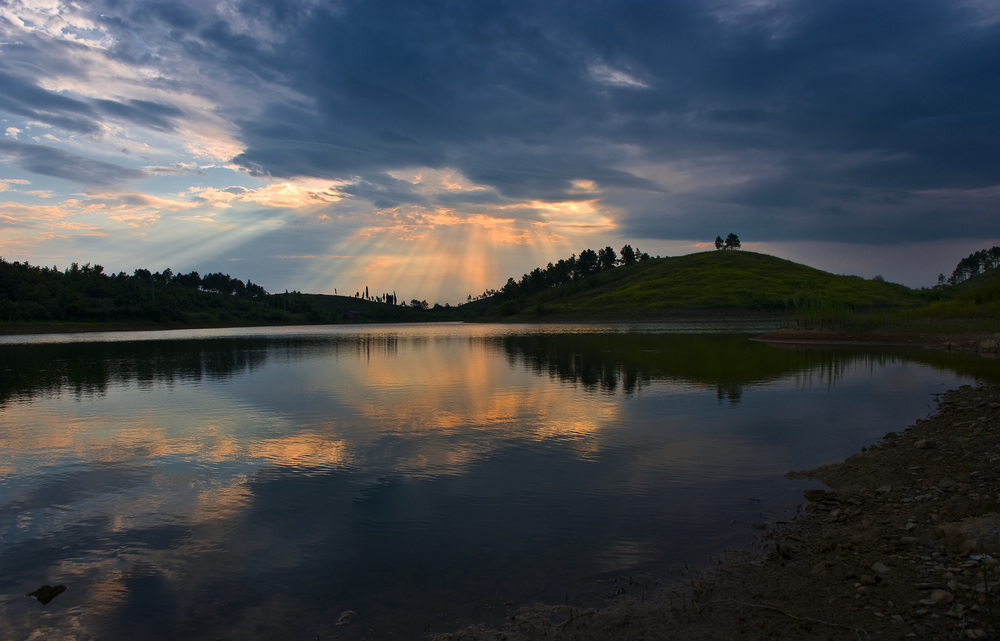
x,y
46,593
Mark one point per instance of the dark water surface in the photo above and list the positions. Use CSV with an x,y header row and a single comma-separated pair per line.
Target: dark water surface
x,y
254,484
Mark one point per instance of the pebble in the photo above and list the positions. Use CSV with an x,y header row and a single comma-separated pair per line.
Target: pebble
x,y
880,568
938,597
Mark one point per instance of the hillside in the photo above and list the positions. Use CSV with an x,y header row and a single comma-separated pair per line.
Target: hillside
x,y
707,284
41,299
969,306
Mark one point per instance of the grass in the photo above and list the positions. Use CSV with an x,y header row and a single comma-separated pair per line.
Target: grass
x,y
716,283
740,284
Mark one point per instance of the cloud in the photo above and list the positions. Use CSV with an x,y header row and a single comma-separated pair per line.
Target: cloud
x,y
50,161
610,76
141,112
284,195
25,98
509,97
780,120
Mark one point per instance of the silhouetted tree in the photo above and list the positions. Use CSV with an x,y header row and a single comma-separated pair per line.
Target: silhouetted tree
x,y
975,263
718,242
607,258
732,241
588,263
191,280
628,255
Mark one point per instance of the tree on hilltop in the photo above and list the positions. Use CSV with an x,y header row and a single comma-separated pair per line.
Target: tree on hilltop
x,y
732,241
607,258
588,263
628,256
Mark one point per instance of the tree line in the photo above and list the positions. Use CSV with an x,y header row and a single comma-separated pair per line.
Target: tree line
x,y
973,264
568,270
85,293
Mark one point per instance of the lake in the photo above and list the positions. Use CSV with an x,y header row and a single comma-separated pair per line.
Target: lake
x,y
255,483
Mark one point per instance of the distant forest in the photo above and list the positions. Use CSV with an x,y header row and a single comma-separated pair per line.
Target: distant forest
x,y
973,264
84,293
567,270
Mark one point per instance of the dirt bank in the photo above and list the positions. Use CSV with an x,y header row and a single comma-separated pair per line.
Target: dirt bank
x,y
903,545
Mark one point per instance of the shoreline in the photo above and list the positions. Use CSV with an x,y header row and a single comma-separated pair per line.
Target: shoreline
x,y
979,342
903,544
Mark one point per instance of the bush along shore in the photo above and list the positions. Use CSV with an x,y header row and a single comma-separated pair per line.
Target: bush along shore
x,y
902,543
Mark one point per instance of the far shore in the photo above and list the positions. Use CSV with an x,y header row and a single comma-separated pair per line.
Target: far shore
x,y
983,343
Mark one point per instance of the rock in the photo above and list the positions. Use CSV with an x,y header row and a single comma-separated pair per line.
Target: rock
x,y
820,567
970,535
880,568
815,495
345,617
46,593
938,597
924,444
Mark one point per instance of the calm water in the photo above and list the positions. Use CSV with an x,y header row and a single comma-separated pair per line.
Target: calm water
x,y
253,484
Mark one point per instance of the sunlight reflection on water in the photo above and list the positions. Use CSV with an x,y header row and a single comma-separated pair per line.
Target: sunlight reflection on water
x,y
257,482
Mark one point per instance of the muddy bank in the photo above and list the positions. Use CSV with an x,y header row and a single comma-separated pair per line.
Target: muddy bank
x,y
902,545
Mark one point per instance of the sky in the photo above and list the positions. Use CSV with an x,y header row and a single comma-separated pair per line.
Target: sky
x,y
435,148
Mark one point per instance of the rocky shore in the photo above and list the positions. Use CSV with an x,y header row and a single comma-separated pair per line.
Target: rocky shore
x,y
903,545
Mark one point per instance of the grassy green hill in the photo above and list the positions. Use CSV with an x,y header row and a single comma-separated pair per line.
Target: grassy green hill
x,y
970,306
708,284
714,284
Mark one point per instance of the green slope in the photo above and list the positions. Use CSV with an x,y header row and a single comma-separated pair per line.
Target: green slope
x,y
970,306
709,283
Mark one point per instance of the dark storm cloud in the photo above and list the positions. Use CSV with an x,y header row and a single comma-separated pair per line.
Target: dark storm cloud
x,y
49,161
802,119
384,191
847,101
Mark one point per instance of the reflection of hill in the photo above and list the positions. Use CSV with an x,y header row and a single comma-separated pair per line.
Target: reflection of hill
x,y
607,362
726,362
89,368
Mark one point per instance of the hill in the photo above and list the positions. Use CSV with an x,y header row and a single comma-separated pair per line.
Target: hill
x,y
708,284
41,299
972,305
